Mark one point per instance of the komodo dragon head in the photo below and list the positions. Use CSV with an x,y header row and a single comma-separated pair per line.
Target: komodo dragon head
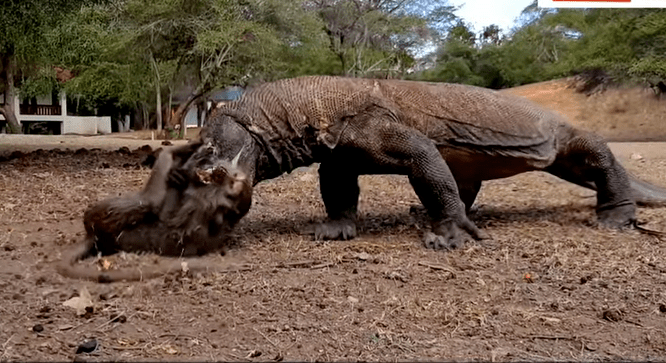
x,y
228,140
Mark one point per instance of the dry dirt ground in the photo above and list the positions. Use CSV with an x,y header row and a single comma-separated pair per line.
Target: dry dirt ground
x,y
550,286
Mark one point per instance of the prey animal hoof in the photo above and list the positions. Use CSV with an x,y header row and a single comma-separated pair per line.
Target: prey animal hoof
x,y
344,229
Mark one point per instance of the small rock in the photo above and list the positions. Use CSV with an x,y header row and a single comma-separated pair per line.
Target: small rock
x,y
38,328
106,165
363,256
115,318
662,308
612,315
352,299
551,320
168,143
636,156
254,354
16,155
529,277
397,275
107,296
87,346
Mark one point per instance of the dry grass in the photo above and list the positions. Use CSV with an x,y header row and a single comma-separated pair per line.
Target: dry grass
x,y
550,286
591,294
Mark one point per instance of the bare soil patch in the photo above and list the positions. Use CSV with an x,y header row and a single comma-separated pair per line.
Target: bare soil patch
x,y
618,114
550,286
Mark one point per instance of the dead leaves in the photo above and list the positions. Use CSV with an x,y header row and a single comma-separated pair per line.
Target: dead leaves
x,y
82,304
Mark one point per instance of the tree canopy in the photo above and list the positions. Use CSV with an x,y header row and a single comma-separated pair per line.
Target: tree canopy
x,y
156,55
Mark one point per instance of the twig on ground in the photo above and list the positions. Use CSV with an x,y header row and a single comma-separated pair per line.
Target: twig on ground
x,y
437,267
4,346
551,337
322,265
267,338
306,263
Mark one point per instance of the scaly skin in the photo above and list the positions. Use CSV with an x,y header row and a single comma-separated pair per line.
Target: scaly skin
x,y
446,138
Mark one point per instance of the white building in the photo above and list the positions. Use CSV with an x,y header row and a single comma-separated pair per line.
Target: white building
x,y
48,109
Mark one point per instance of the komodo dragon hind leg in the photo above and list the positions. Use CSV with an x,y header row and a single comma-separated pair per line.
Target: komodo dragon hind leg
x,y
587,161
339,191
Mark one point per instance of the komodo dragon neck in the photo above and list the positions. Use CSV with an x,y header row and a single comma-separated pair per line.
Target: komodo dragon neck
x,y
298,121
279,149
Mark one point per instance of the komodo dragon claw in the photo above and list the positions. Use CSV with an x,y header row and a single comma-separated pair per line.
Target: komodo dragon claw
x,y
651,232
341,229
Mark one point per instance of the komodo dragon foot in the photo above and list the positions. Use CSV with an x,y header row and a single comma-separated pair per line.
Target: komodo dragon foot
x,y
338,229
448,234
620,216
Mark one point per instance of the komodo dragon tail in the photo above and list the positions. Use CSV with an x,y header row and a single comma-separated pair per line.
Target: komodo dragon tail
x,y
646,194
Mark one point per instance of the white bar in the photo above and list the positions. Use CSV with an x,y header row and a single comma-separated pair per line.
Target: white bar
x,y
602,4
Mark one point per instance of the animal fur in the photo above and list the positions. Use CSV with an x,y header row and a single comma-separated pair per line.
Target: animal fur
x,y
176,214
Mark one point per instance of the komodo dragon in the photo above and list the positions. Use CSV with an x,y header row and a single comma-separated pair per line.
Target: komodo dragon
x,y
446,138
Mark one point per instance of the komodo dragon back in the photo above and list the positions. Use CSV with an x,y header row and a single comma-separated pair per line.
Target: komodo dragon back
x,y
452,115
285,109
472,117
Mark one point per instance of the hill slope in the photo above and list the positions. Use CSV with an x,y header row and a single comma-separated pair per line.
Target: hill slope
x,y
630,114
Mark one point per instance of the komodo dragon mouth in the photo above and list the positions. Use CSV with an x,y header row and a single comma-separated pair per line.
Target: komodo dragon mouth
x,y
211,169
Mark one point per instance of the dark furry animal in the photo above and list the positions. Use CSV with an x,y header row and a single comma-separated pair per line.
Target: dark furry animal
x,y
176,214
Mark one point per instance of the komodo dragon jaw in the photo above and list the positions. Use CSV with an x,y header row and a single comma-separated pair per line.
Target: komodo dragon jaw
x,y
229,144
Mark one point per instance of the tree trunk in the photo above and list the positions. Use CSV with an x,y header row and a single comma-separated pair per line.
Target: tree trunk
x,y
201,108
181,111
143,114
158,92
158,108
169,122
8,110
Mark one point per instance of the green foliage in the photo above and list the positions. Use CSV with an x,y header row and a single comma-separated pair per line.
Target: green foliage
x,y
127,52
375,37
42,82
25,26
630,44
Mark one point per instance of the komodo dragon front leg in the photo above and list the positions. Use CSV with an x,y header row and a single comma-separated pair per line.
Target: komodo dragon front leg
x,y
338,183
377,143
